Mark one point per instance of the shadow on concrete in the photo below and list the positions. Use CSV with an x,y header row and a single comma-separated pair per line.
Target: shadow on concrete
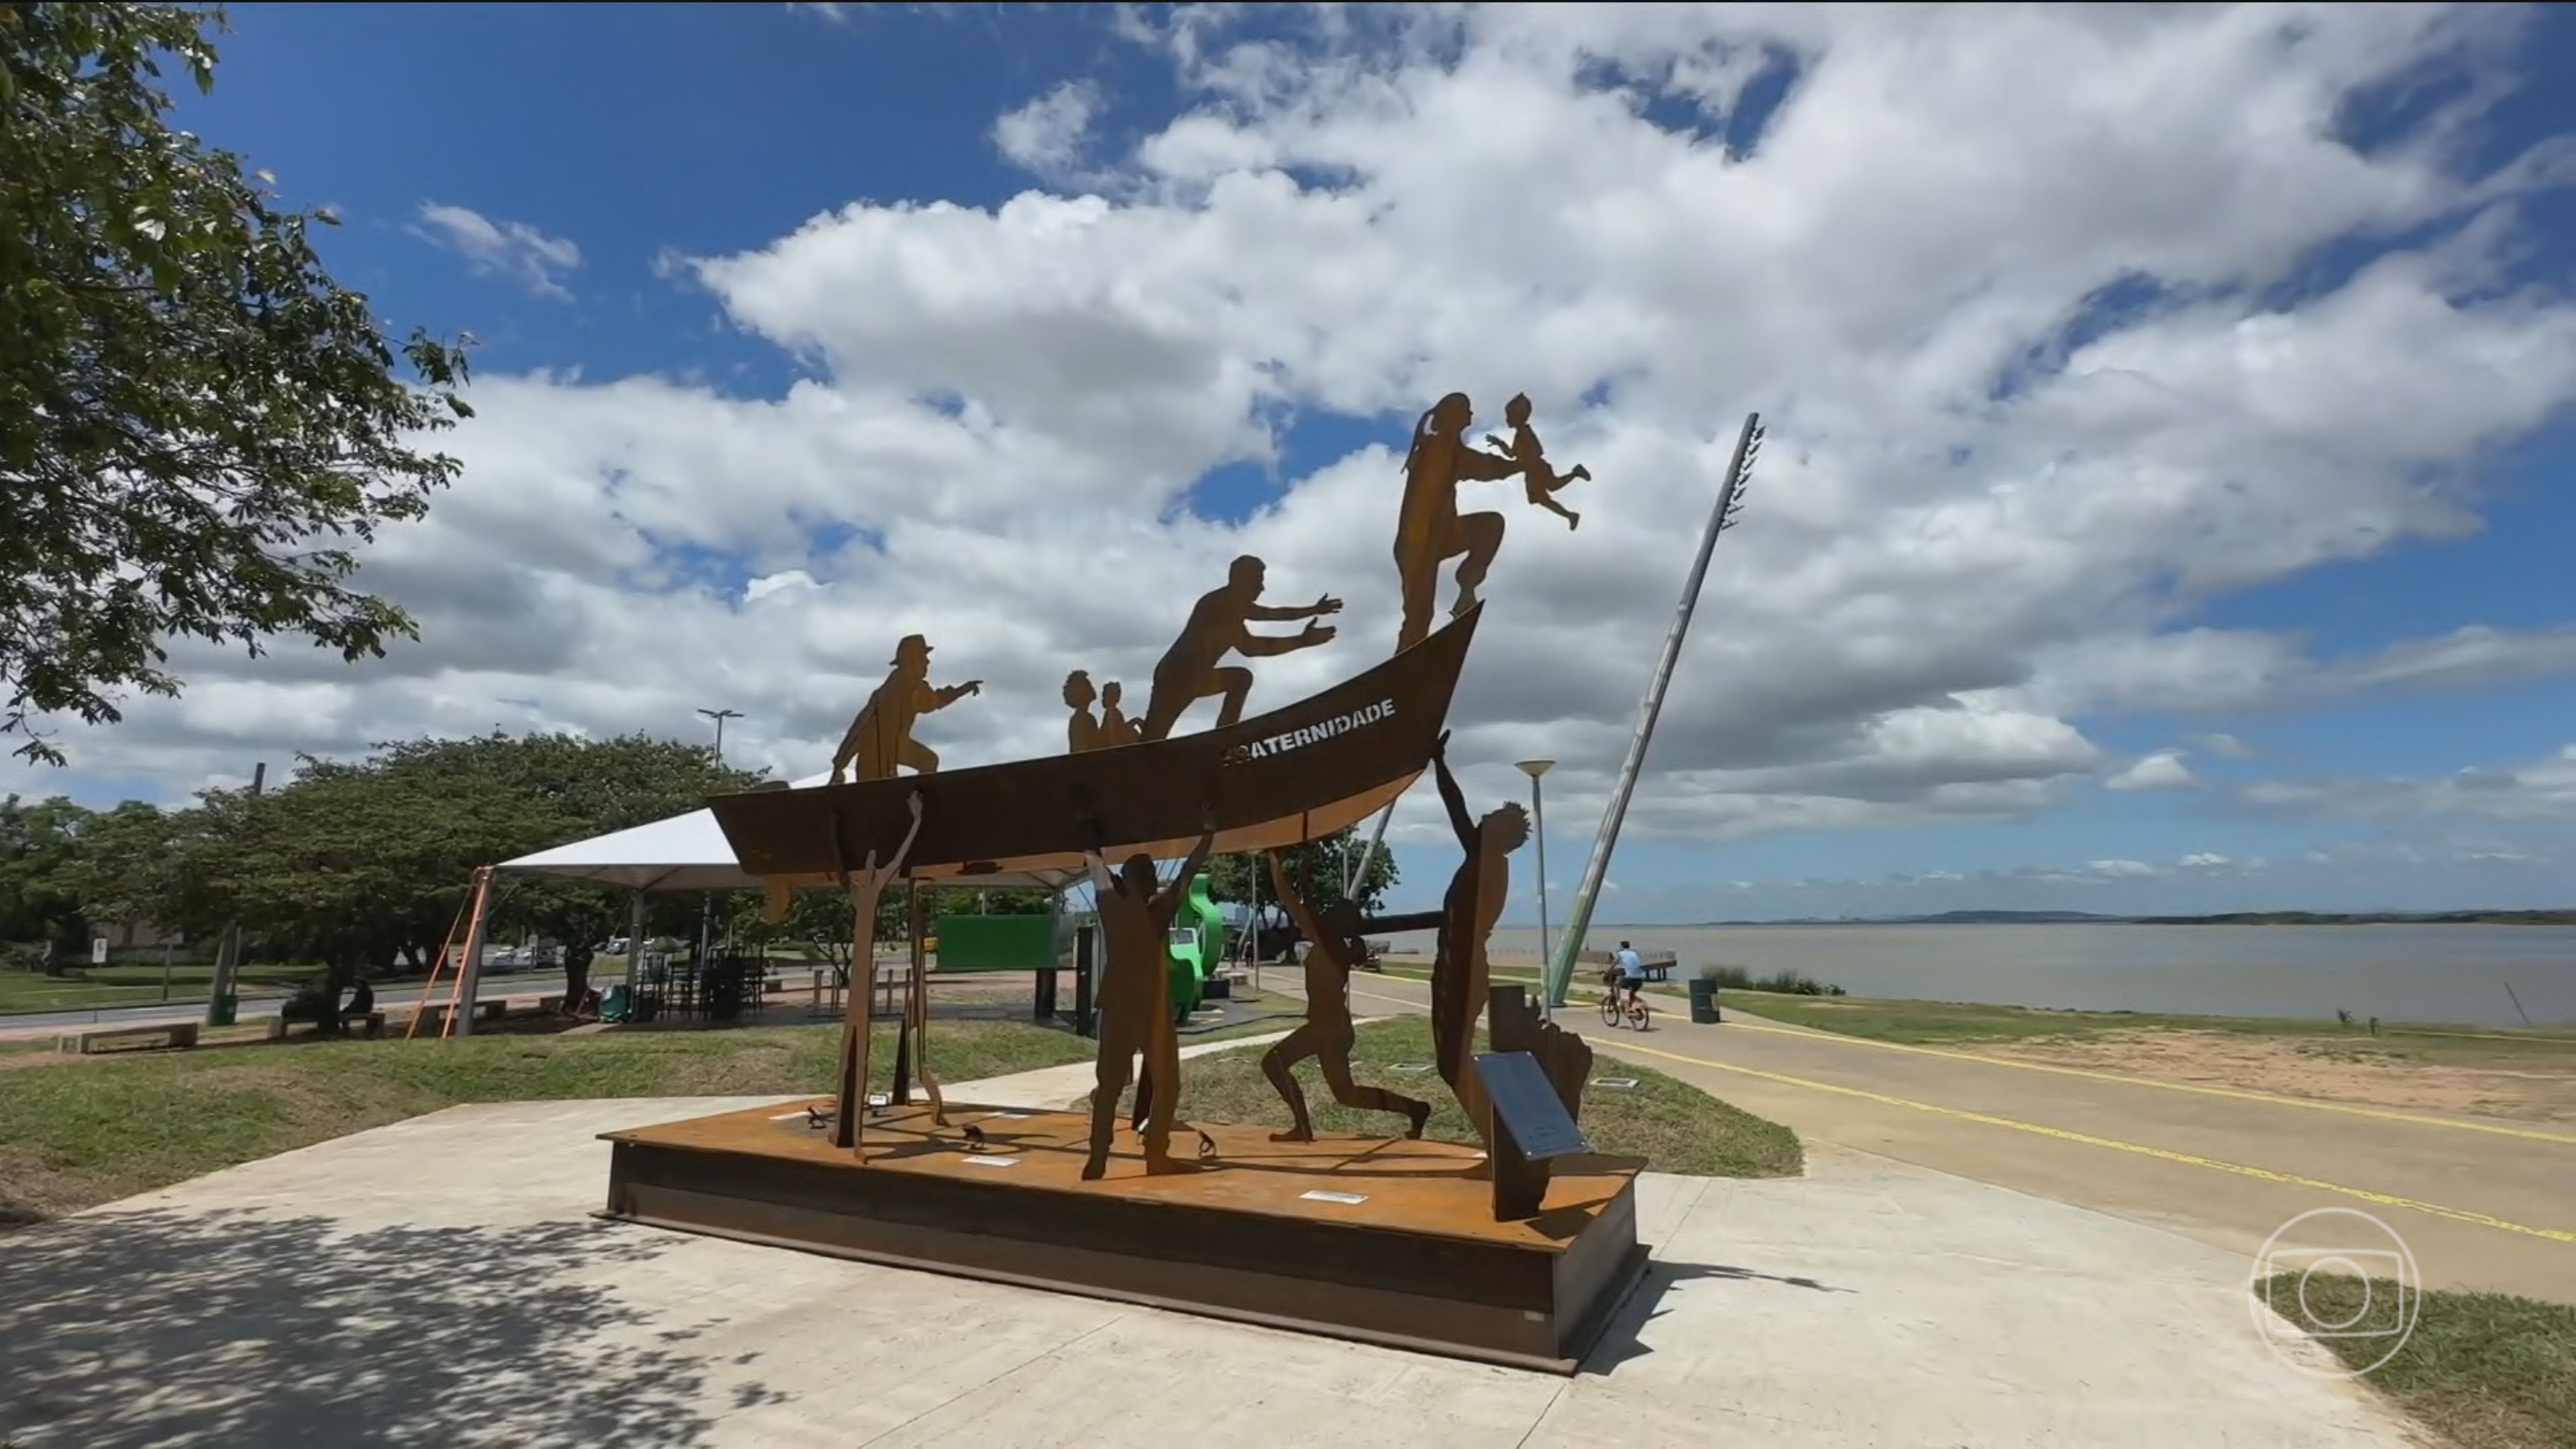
x,y
1621,1340
234,1328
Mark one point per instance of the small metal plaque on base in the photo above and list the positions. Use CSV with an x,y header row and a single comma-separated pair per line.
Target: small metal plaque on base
x,y
1526,1103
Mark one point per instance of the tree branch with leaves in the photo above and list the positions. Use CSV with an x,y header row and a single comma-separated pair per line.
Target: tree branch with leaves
x,y
196,422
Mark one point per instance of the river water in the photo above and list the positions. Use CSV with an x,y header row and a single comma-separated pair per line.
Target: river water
x,y
2456,974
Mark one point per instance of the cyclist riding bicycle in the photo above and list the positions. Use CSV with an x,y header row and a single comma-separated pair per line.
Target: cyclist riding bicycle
x,y
1632,971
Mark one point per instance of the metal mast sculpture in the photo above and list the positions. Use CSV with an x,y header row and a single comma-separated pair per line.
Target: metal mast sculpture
x,y
1730,502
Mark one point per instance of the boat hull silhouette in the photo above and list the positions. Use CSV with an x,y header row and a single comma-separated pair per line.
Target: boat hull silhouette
x,y
1285,776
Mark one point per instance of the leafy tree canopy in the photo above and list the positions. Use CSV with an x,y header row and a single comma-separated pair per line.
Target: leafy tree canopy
x,y
1318,867
196,422
40,845
358,864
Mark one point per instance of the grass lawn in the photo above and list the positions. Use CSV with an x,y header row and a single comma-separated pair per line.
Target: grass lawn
x,y
86,1132
1674,1126
137,984
2484,1370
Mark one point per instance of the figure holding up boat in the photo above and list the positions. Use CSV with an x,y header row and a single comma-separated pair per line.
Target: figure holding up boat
x,y
864,885
1429,530
1218,627
1135,996
1332,944
880,739
1459,970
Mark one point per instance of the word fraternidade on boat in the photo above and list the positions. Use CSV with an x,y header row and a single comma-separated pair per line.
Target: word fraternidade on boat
x,y
1341,724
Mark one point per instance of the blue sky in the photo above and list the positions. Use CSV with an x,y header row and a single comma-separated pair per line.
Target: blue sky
x,y
646,133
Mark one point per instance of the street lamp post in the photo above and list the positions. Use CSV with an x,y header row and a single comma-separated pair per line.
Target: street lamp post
x,y
720,716
707,907
1538,827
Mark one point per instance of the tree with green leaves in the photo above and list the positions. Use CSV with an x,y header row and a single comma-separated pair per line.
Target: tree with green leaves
x,y
562,788
1318,865
363,864
196,421
40,847
1324,862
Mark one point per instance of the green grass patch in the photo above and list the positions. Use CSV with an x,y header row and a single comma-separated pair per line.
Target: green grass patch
x,y
83,1133
1673,1125
2485,1370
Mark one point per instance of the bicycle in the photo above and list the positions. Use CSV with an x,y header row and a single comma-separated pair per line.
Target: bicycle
x,y
1631,1011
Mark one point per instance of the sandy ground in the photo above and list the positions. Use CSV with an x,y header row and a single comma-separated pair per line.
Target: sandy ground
x,y
2331,1071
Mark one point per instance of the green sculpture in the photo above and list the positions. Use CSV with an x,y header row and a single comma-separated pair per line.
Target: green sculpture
x,y
1197,947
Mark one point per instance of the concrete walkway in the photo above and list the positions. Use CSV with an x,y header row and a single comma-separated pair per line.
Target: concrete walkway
x,y
439,1282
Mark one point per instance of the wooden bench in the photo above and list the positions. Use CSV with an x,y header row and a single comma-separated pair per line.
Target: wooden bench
x,y
170,1033
371,1025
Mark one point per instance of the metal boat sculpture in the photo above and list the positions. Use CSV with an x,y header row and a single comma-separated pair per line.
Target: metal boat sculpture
x,y
1290,775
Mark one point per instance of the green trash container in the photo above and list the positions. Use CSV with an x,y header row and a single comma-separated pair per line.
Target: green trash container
x,y
222,1010
1703,1001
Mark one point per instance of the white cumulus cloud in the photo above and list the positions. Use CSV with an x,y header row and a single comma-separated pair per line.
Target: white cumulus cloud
x,y
2041,378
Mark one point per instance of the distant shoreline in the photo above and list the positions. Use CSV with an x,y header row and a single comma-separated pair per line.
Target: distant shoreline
x,y
2083,918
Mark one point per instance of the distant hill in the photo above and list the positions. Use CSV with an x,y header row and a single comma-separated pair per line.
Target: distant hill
x,y
2233,918
2375,918
1946,918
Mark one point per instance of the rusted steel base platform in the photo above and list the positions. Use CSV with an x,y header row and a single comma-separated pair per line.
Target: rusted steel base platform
x,y
1383,1241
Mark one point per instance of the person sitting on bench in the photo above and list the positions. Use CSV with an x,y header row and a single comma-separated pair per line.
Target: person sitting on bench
x,y
362,1004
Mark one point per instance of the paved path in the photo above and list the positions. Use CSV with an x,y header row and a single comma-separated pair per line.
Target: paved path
x,y
439,1281
2482,1204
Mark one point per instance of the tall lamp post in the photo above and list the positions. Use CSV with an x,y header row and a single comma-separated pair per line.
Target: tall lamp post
x,y
707,906
1538,826
720,716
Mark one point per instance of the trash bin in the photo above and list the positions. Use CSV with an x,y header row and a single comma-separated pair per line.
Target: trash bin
x,y
222,1010
1703,1000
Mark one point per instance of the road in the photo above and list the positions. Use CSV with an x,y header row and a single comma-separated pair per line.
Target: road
x,y
2482,1204
44,1023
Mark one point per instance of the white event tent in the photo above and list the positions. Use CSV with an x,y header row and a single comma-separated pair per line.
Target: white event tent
x,y
689,853
684,853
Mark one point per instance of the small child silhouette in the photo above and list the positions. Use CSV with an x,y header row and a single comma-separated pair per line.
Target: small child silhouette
x,y
1537,477
1115,727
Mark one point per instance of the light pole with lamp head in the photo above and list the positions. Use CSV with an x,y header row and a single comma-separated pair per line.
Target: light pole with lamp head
x,y
707,906
720,716
1538,827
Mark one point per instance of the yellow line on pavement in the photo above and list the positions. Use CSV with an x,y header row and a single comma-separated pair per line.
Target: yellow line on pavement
x,y
1622,1046
2528,1134
2533,1134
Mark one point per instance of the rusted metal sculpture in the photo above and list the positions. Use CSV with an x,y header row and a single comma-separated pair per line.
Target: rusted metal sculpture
x,y
864,884
1189,670
1115,727
1135,1012
1539,479
1333,943
880,739
1081,732
1291,774
1460,972
1513,1024
1429,529
913,1046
